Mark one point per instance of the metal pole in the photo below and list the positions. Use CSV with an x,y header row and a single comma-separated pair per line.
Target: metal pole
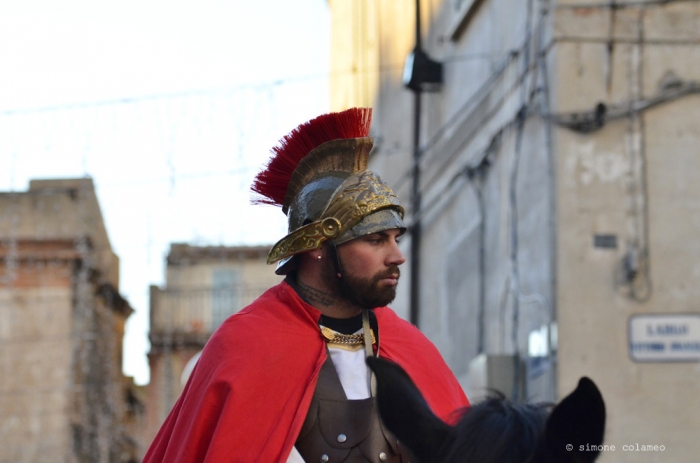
x,y
416,194
415,208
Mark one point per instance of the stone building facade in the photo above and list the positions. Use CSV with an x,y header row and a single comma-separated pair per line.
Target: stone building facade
x,y
204,286
63,397
560,184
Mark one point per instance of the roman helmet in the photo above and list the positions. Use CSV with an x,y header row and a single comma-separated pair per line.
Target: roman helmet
x,y
318,175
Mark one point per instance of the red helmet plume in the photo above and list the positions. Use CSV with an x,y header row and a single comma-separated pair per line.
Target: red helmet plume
x,y
270,185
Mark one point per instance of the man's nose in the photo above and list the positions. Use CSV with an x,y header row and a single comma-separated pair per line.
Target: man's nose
x,y
395,257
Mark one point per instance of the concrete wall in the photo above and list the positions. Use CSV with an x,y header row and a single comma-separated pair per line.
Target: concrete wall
x,y
635,178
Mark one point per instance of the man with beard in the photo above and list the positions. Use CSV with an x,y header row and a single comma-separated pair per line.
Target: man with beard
x,y
284,380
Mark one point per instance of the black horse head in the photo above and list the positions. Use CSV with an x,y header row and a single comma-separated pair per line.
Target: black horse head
x,y
494,430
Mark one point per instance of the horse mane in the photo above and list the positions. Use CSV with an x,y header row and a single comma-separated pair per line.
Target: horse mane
x,y
495,430
512,430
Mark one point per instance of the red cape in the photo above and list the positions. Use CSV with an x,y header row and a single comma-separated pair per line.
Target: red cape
x,y
248,395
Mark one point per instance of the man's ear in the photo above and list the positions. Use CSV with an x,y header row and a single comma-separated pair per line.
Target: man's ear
x,y
405,412
578,421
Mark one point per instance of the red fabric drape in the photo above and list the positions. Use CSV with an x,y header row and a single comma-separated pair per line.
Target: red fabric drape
x,y
249,393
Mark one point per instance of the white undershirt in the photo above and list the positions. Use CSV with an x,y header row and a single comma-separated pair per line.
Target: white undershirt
x,y
352,371
354,377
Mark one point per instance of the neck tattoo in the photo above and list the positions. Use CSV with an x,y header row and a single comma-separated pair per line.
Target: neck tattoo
x,y
315,296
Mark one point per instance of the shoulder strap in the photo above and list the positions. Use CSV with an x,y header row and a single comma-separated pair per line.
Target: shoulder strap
x,y
368,350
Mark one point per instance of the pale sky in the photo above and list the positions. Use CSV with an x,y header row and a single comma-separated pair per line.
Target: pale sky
x,y
170,106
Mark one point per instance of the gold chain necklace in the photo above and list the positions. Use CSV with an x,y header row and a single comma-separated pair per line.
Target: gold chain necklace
x,y
350,339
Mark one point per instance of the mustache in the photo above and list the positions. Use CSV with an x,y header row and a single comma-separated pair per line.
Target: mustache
x,y
391,271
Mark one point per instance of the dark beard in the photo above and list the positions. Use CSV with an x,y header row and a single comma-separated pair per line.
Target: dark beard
x,y
365,292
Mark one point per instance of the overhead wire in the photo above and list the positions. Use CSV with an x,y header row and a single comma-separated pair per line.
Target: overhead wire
x,y
137,101
481,93
191,176
260,86
478,94
562,119
580,121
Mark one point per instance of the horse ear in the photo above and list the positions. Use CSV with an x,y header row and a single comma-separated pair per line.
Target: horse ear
x,y
576,426
405,412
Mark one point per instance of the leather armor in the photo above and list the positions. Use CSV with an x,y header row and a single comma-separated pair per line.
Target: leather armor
x,y
340,430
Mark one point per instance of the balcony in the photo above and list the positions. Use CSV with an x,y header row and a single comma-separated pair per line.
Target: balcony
x,y
190,316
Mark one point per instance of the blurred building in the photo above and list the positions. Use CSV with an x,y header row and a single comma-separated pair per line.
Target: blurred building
x,y
204,286
63,397
559,188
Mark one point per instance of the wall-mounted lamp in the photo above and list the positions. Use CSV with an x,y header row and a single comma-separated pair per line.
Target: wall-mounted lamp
x,y
422,74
